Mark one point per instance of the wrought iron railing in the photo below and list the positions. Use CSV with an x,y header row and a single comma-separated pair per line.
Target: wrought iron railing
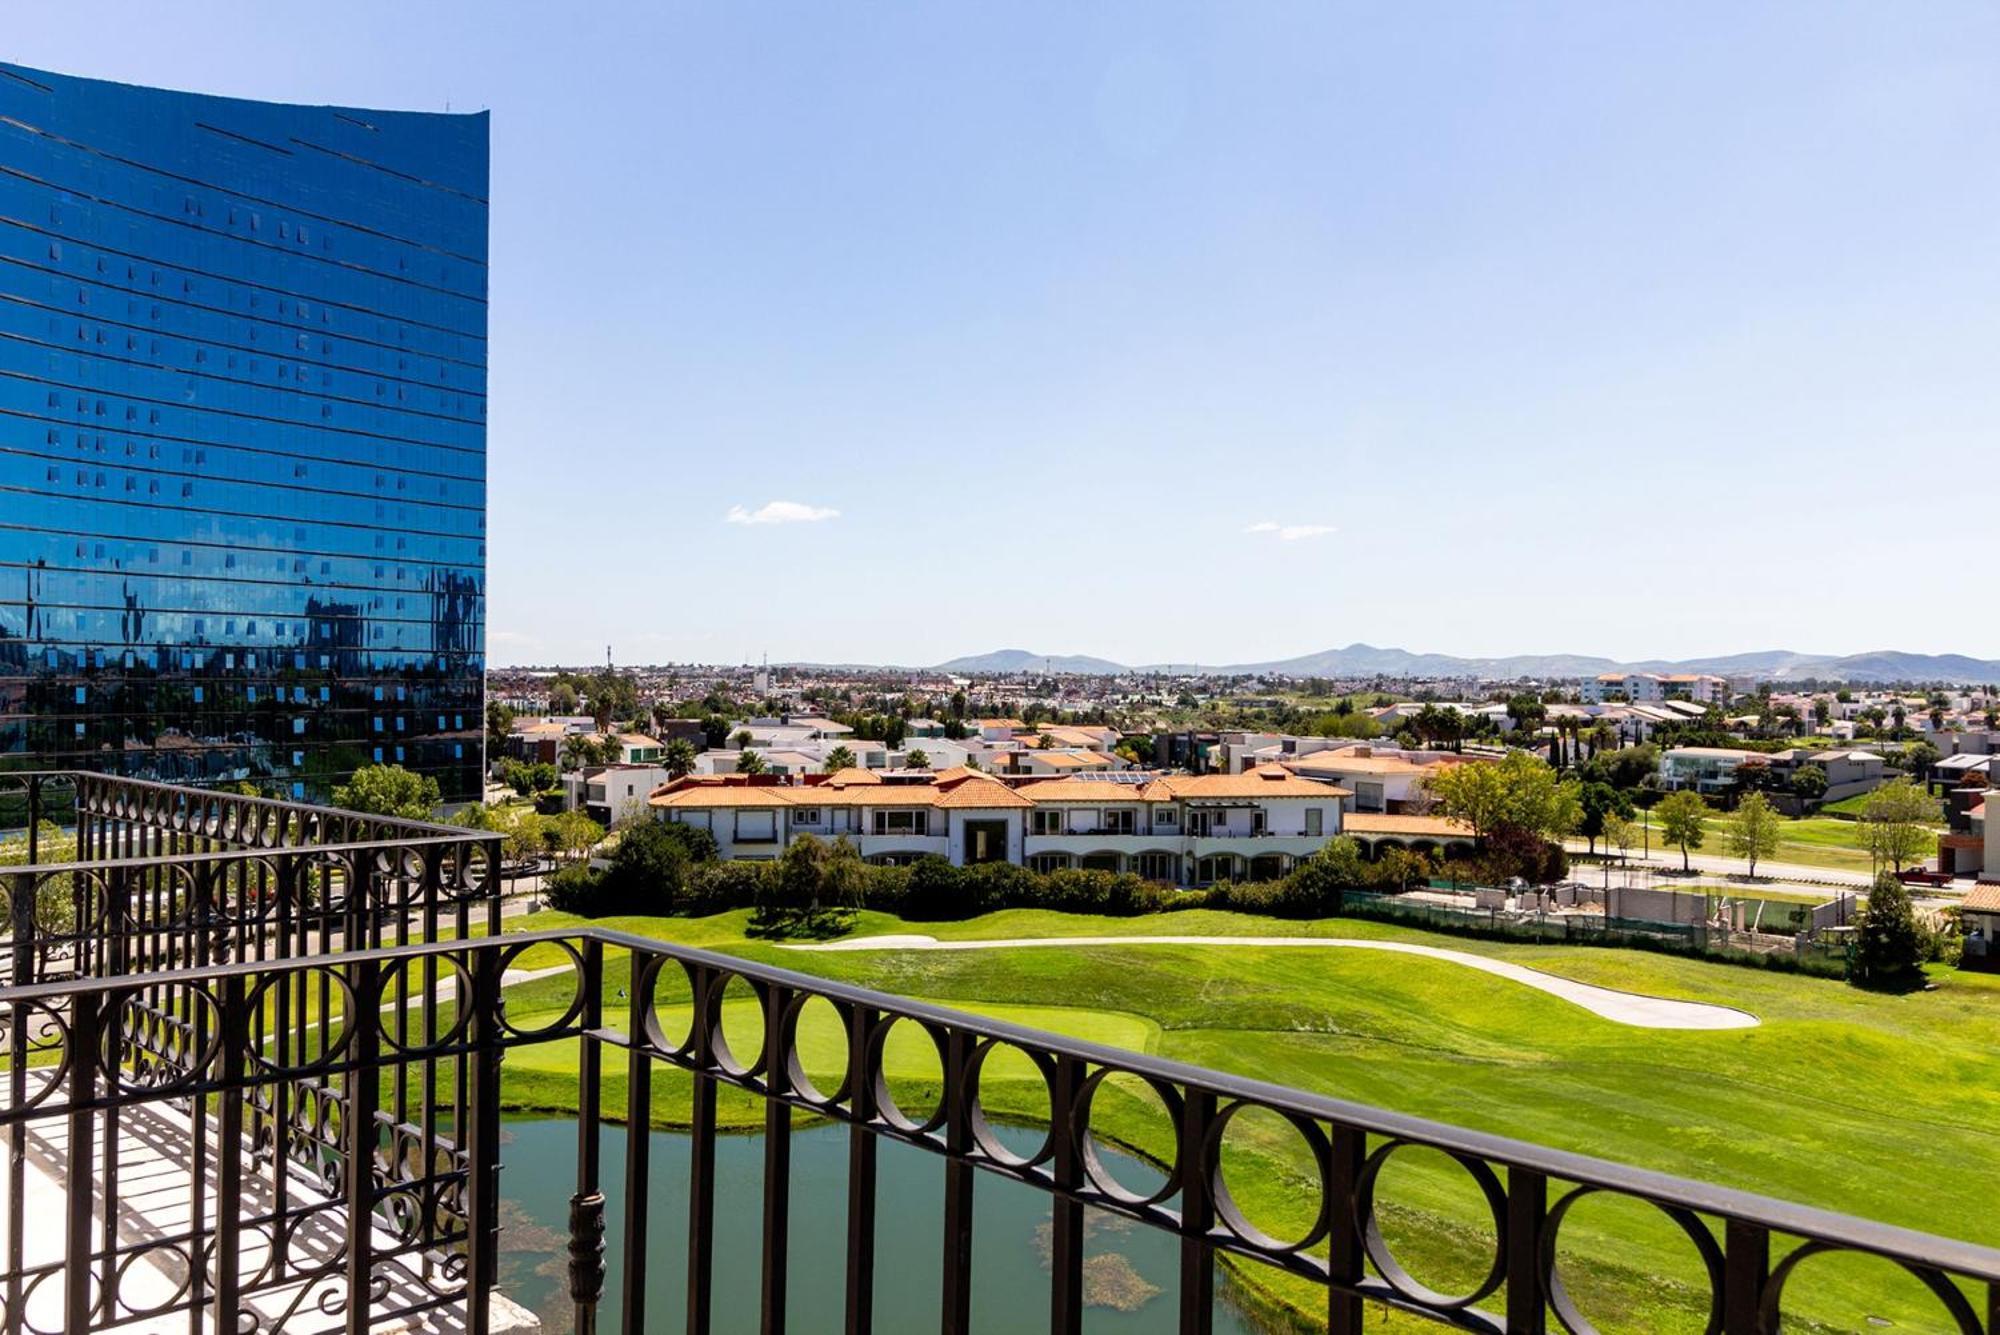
x,y
163,883
379,1209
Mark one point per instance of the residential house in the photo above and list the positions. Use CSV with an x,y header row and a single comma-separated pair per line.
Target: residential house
x,y
959,815
1380,783
1848,773
609,794
539,740
1176,828
1708,770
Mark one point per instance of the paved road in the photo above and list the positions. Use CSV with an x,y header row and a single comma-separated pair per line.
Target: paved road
x,y
1631,1008
1799,873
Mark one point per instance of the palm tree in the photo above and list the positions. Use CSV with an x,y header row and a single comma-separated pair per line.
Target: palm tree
x,y
838,759
743,739
917,759
749,762
679,758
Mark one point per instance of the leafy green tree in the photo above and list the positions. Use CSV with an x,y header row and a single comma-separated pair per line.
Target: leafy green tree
x,y
679,758
562,698
1920,758
574,834
743,738
527,780
1399,867
918,758
649,869
1752,830
1624,768
1527,710
389,790
1896,824
1889,946
527,837
1809,782
749,762
812,894
1683,822
1621,833
838,759
1600,803
499,722
1521,790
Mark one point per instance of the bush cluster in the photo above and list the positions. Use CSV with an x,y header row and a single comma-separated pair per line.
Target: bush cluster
x,y
667,868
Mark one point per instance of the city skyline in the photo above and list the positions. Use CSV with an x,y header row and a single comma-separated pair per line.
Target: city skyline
x,y
1207,335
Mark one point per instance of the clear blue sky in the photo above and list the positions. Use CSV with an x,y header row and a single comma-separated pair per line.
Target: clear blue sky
x,y
1226,332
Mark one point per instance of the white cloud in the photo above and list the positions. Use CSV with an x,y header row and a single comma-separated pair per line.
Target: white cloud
x,y
1290,532
780,512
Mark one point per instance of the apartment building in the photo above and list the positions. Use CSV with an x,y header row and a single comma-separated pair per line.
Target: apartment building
x,y
1653,687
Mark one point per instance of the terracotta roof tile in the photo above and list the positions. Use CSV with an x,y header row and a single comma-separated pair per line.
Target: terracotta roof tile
x,y
1365,822
981,795
1268,781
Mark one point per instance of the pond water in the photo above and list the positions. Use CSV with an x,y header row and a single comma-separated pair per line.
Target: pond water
x,y
1131,1272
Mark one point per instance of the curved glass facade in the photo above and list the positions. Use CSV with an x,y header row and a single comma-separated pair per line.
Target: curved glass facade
x,y
242,437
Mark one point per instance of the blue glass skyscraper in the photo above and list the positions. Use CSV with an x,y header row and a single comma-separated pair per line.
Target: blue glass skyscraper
x,y
242,437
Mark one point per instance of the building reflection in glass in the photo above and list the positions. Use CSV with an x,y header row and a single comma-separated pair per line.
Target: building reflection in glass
x,y
242,437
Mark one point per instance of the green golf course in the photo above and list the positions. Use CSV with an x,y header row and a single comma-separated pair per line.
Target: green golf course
x,y
1881,1106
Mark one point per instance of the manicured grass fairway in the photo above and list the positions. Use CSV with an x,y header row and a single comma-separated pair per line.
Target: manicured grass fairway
x,y
1816,841
1880,1106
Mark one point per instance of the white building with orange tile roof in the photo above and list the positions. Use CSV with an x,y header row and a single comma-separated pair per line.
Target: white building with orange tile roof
x,y
1179,829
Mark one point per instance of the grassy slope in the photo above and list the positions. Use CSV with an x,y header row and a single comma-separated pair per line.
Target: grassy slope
x,y
1842,1098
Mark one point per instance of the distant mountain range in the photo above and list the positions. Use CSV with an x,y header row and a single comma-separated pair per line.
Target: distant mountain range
x,y
1020,660
1365,660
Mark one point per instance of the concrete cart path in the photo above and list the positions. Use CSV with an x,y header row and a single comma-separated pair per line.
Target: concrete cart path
x,y
1630,1008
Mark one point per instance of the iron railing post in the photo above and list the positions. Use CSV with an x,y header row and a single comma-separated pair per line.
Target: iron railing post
x,y
956,1315
1527,1209
1066,1177
1746,1266
638,1145
701,1153
482,1141
227,1286
1346,1263
861,1168
777,1159
86,1030
586,1205
21,915
1197,1215
364,1092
